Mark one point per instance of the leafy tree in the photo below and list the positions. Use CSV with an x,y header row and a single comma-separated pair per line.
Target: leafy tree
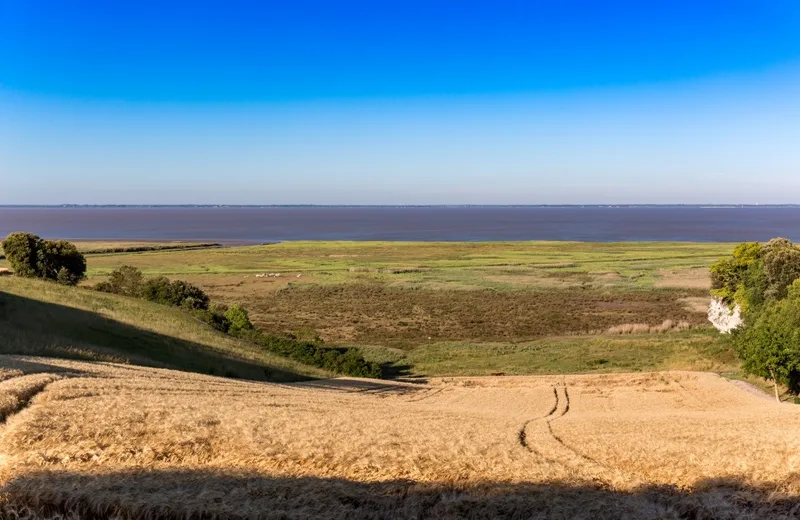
x,y
756,273
764,280
239,319
61,261
769,343
781,267
728,274
21,252
30,256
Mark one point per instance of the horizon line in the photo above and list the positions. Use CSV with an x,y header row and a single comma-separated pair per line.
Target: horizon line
x,y
590,205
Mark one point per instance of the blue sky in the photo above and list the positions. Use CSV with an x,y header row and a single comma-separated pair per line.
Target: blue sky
x,y
400,102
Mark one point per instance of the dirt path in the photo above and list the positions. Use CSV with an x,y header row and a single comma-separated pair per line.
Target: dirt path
x,y
747,387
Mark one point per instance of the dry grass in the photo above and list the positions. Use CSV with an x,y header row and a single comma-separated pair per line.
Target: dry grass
x,y
644,328
373,314
42,318
693,278
134,442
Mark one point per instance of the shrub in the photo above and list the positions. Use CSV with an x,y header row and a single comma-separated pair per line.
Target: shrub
x,y
103,287
57,260
213,319
126,280
188,295
238,318
157,290
177,293
342,360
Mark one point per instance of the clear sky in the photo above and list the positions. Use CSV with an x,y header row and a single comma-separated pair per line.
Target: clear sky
x,y
400,102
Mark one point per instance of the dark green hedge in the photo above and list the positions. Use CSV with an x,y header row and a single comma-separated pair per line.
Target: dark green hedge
x,y
341,360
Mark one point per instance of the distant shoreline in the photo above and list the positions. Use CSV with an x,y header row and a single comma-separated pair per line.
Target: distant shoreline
x,y
368,206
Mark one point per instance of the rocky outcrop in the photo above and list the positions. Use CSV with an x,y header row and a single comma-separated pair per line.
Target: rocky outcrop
x,y
722,317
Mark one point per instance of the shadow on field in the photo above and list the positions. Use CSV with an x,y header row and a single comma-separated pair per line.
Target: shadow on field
x,y
394,370
33,327
203,494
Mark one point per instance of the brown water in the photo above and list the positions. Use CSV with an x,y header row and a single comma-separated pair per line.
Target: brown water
x,y
268,224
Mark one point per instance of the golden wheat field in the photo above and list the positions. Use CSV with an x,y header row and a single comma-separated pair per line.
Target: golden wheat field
x,y
100,440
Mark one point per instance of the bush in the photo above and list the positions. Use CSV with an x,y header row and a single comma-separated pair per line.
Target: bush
x,y
213,319
157,290
126,280
177,293
58,260
103,287
238,318
342,360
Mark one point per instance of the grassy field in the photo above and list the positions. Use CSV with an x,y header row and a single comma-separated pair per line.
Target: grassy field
x,y
98,440
469,308
43,318
495,265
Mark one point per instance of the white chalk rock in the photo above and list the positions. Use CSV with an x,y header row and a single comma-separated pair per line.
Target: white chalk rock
x,y
722,317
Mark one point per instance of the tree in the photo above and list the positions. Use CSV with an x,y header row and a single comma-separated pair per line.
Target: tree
x,y
728,274
781,267
61,261
20,250
769,343
756,273
31,256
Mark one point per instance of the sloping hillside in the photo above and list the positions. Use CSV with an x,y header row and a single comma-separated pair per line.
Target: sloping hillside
x,y
87,440
42,318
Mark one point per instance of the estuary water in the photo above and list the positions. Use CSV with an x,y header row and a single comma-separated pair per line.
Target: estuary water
x,y
448,223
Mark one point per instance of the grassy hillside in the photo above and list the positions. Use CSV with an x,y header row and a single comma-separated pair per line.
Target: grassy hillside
x,y
44,318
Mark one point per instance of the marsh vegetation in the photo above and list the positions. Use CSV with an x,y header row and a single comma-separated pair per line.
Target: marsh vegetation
x,y
469,308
